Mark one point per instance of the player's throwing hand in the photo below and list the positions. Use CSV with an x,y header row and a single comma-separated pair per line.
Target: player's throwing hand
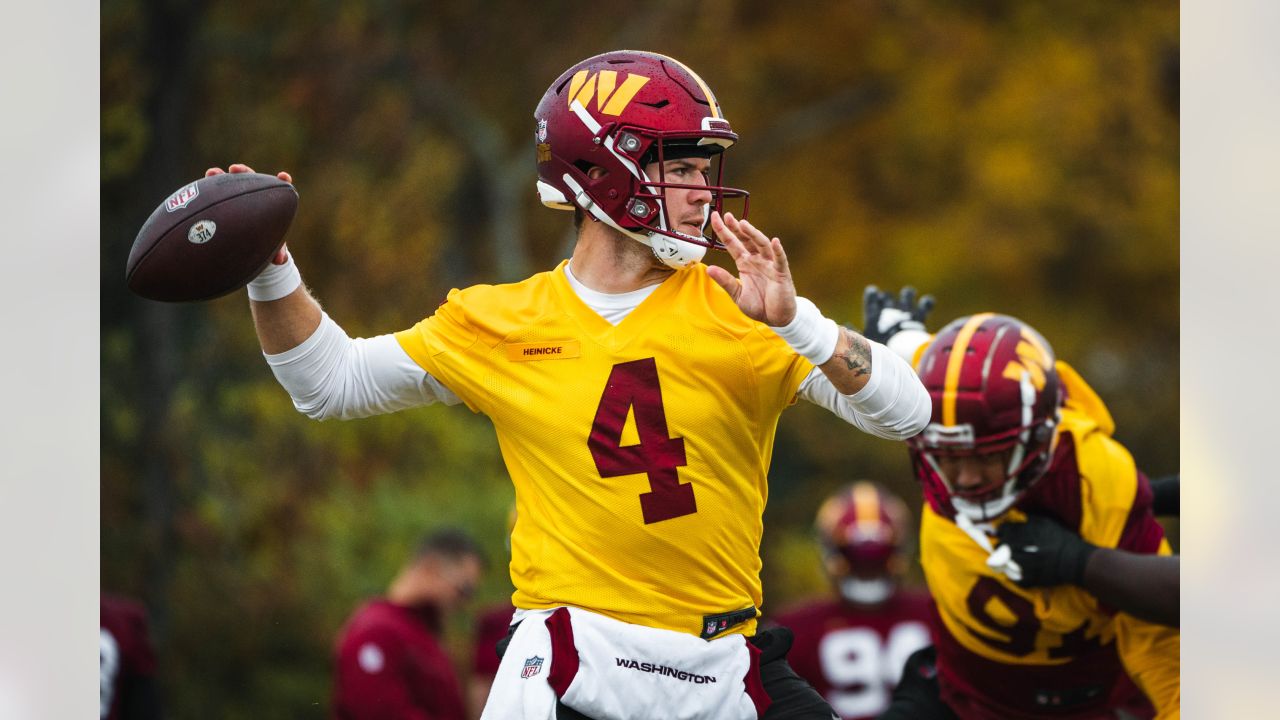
x,y
283,253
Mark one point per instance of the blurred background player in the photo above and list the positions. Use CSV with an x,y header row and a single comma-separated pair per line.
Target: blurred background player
x,y
493,623
390,662
126,662
852,647
1015,432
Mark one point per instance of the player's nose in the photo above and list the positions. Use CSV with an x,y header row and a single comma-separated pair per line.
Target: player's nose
x,y
701,196
968,474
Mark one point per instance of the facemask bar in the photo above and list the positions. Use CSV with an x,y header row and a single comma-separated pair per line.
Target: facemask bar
x,y
987,506
998,500
655,192
652,193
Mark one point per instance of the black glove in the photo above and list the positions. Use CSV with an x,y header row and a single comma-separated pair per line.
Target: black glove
x,y
1048,553
884,316
918,696
1165,495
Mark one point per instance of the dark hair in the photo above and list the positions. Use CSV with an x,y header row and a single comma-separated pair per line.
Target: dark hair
x,y
451,543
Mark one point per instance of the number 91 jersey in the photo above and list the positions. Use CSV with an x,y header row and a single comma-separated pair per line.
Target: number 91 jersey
x,y
1005,652
639,452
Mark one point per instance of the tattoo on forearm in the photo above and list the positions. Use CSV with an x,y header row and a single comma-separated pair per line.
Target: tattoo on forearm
x,y
857,357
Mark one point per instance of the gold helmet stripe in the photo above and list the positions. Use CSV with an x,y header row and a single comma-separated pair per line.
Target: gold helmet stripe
x,y
954,363
866,504
711,99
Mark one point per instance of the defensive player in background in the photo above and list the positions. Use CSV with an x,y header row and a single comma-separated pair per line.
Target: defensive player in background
x,y
126,662
635,393
1047,552
1014,432
390,661
851,648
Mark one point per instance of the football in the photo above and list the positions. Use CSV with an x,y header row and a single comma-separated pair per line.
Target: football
x,y
210,237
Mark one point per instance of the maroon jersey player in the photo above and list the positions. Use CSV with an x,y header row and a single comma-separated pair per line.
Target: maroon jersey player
x,y
851,648
492,625
126,662
390,660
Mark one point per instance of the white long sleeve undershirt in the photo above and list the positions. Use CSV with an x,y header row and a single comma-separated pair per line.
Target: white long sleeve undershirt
x,y
331,375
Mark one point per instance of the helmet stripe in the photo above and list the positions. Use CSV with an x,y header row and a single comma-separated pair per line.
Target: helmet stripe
x,y
954,363
866,504
711,99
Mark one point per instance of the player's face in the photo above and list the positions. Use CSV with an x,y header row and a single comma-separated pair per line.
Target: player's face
x,y
685,206
460,580
974,475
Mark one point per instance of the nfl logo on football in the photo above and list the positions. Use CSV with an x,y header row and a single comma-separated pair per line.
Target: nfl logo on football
x,y
531,667
179,200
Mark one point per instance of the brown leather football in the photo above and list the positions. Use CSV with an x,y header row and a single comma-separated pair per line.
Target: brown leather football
x,y
211,237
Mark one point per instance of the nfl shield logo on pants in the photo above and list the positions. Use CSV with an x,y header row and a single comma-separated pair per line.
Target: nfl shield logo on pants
x,y
531,667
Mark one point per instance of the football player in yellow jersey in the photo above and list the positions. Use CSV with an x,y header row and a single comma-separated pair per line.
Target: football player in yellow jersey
x,y
635,393
1018,436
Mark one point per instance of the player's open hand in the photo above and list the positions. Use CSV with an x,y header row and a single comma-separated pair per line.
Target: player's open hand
x,y
283,254
763,289
884,316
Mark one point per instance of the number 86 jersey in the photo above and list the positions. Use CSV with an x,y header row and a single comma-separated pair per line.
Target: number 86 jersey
x,y
639,452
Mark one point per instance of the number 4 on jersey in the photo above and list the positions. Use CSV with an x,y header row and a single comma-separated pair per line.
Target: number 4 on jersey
x,y
635,385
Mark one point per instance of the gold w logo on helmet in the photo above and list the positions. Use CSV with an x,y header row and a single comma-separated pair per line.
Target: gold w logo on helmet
x,y
611,99
1034,361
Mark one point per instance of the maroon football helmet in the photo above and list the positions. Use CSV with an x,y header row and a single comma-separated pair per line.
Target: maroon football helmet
x,y
621,111
861,530
995,393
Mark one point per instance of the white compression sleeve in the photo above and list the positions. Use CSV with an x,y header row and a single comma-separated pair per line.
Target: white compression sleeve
x,y
892,405
331,375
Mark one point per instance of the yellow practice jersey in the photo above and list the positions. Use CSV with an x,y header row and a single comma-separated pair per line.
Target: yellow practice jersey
x,y
1008,652
639,452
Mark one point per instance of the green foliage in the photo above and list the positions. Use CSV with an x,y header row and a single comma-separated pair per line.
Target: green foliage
x,y
1021,157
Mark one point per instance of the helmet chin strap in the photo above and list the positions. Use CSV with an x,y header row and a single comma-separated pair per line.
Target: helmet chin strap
x,y
866,592
673,253
985,511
